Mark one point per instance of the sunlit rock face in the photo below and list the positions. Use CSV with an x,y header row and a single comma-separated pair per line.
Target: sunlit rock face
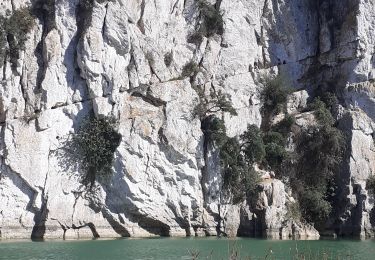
x,y
111,59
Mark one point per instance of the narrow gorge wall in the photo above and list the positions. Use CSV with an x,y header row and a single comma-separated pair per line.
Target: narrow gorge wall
x,y
111,58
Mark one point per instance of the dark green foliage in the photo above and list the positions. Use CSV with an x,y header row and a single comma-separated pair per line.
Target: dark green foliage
x,y
251,180
94,145
216,102
211,22
284,126
275,152
293,211
168,58
239,176
214,130
253,145
274,95
275,155
322,113
212,19
329,99
189,69
370,184
14,29
274,137
231,159
320,151
314,205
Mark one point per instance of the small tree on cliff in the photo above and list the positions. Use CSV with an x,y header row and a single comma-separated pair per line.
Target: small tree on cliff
x,y
14,29
94,145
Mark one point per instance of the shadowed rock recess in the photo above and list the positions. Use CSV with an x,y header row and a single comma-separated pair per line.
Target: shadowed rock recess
x,y
141,62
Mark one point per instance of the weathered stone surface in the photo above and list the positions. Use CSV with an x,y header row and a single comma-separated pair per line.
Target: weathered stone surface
x,y
356,208
111,60
269,218
297,101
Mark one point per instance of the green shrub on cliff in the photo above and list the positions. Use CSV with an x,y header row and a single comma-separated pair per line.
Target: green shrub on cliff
x,y
214,130
215,102
253,145
320,151
239,175
236,157
274,94
211,22
14,29
322,113
314,205
284,127
94,145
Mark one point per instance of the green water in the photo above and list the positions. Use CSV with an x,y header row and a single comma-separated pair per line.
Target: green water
x,y
178,248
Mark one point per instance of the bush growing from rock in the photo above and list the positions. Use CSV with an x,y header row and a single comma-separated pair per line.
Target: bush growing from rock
x,y
251,180
322,113
212,19
320,151
94,145
314,205
253,145
284,126
274,94
237,170
217,101
239,176
293,211
14,29
211,22
275,152
273,137
214,130
275,155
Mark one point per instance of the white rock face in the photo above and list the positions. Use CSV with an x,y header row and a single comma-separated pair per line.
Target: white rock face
x,y
270,217
111,60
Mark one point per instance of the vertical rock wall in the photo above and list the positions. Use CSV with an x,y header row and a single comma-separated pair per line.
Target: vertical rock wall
x,y
111,59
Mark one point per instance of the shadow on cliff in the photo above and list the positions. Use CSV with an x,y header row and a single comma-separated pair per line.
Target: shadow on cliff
x,y
118,203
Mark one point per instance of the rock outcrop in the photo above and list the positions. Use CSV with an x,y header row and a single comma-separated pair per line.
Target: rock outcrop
x,y
125,59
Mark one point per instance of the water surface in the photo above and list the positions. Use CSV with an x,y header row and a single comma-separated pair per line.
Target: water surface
x,y
183,248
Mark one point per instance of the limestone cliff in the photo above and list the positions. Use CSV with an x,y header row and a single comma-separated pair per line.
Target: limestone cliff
x,y
125,58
